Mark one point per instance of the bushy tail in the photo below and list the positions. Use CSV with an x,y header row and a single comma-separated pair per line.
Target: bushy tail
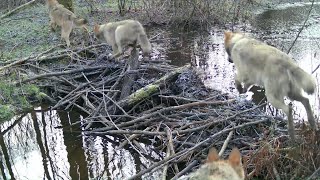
x,y
145,43
52,2
302,79
80,21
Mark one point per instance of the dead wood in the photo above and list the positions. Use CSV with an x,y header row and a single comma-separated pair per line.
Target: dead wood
x,y
128,81
150,89
135,100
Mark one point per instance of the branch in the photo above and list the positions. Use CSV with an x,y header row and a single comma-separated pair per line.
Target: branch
x,y
16,9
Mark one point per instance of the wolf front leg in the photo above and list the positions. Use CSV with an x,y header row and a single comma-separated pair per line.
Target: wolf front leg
x,y
277,101
115,52
65,33
307,106
239,85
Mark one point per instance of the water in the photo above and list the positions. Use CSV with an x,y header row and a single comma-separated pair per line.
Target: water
x,y
35,147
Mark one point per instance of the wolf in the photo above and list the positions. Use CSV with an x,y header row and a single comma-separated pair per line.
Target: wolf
x,y
260,64
64,18
123,33
217,169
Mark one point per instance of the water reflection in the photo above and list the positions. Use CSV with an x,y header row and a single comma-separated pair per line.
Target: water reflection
x,y
285,17
34,147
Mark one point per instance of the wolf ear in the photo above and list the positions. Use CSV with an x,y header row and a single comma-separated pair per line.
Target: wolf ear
x,y
212,156
96,28
227,34
235,157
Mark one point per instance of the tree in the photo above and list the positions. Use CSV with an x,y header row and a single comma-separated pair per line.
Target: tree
x,y
122,7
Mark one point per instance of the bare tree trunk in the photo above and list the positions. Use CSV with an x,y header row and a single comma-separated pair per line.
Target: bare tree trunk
x,y
67,4
122,7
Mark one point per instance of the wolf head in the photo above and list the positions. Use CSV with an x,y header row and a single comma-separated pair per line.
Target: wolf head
x,y
234,161
230,39
98,32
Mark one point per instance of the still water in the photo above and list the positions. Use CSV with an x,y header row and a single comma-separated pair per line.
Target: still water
x,y
33,146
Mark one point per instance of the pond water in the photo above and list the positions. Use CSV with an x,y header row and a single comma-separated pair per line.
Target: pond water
x,y
34,146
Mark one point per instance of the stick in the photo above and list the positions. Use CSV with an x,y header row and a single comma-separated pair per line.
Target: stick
x,y
316,69
304,24
62,73
225,144
185,170
165,169
125,142
171,148
314,174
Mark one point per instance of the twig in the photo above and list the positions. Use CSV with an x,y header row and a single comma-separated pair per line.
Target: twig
x,y
225,144
165,169
315,69
185,170
304,24
125,142
314,174
171,147
62,73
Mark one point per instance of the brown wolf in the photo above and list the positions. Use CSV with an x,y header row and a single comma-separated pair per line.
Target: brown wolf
x,y
217,169
264,65
64,18
123,33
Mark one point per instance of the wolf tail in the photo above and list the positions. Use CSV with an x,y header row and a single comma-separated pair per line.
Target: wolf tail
x,y
79,21
52,2
144,43
302,79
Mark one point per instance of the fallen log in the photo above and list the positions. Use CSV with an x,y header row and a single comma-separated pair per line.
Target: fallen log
x,y
128,81
152,88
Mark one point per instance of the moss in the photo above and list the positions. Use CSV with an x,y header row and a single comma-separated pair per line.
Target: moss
x,y
6,112
143,93
17,98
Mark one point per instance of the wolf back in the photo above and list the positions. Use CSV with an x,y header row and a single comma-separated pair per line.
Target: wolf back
x,y
123,33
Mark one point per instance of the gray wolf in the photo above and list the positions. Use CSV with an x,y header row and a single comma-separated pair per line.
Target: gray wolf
x,y
219,169
260,64
64,18
123,33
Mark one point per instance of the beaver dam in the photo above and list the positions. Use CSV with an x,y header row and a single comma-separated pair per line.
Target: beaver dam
x,y
168,107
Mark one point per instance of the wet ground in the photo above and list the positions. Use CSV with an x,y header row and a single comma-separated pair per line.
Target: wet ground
x,y
34,147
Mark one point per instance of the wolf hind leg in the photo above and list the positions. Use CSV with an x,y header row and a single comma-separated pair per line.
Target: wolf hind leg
x,y
65,33
307,106
278,102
